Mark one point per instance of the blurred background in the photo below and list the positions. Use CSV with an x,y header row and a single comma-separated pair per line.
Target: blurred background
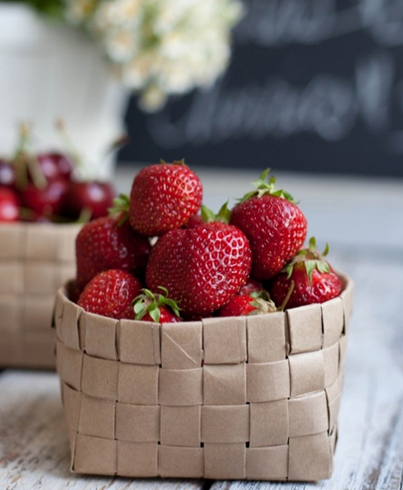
x,y
298,85
311,88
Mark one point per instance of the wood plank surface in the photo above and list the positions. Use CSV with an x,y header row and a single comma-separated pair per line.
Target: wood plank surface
x,y
369,455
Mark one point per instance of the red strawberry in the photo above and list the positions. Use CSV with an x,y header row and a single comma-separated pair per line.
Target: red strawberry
x,y
246,304
163,197
251,286
202,267
311,277
105,244
194,221
9,207
157,308
111,294
274,225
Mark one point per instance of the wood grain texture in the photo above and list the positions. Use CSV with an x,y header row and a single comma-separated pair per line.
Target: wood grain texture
x,y
369,455
34,452
34,448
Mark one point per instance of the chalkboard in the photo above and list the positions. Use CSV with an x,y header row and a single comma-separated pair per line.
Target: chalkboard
x,y
313,85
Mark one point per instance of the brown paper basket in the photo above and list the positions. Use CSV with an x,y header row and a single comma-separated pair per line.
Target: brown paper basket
x,y
252,398
35,259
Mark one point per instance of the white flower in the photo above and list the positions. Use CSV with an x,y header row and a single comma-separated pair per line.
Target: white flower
x,y
78,11
161,47
152,98
120,45
139,70
118,13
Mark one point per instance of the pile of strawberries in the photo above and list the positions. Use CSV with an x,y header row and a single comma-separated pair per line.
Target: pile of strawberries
x,y
42,187
156,258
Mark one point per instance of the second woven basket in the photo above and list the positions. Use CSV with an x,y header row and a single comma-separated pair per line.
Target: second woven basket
x,y
35,260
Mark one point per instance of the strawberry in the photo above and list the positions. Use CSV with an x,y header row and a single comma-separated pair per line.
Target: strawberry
x,y
111,294
194,221
247,304
311,277
274,225
251,286
202,267
163,197
106,243
156,308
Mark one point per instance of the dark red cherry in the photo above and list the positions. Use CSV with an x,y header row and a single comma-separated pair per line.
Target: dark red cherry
x,y
9,205
55,165
48,167
7,174
46,201
96,197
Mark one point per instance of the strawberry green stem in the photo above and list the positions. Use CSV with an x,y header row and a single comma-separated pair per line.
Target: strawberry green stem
x,y
266,185
120,209
149,302
175,162
223,215
287,298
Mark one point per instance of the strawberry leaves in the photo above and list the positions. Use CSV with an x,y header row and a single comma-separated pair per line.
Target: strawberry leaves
x,y
120,209
311,277
312,260
266,185
175,162
262,306
223,215
320,265
151,304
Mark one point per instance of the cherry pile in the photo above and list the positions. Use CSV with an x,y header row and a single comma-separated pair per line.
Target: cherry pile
x,y
43,187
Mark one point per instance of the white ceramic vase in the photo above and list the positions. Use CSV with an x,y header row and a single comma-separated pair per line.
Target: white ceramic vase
x,y
50,71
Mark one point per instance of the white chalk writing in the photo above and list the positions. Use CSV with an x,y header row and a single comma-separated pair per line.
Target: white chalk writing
x,y
328,106
279,22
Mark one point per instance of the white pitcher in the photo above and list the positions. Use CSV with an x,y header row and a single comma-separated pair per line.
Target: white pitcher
x,y
50,71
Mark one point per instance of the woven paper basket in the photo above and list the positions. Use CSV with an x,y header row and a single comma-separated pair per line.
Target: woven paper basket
x,y
35,259
251,398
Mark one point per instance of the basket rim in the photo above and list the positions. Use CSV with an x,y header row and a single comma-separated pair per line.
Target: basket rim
x,y
347,284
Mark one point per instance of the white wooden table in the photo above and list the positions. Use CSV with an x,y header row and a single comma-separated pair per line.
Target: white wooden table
x,y
365,227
